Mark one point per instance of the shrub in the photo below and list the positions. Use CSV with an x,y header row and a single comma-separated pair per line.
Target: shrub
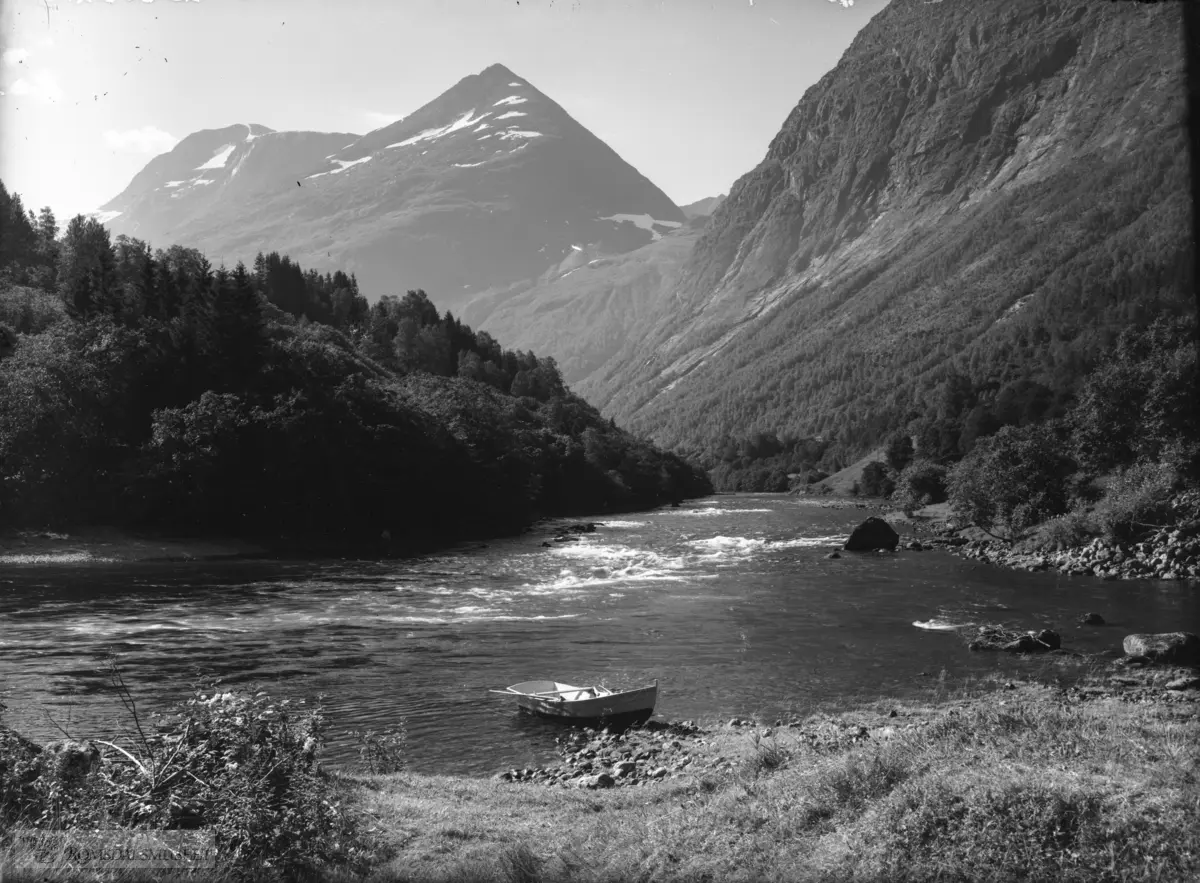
x,y
1012,480
382,753
920,484
876,480
241,765
1138,498
1062,532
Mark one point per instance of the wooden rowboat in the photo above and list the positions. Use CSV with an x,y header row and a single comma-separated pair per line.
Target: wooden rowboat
x,y
553,699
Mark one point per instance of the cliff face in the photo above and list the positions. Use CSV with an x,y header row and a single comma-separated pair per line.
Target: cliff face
x,y
991,188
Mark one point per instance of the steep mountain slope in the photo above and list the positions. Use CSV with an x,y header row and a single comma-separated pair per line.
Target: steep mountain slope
x,y
585,310
702,207
490,184
987,189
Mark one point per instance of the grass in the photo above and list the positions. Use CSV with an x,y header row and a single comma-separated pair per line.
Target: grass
x,y
1024,784
984,781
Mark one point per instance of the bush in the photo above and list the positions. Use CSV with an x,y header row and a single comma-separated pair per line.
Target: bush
x,y
1139,497
1063,532
876,480
1012,480
238,764
382,753
920,484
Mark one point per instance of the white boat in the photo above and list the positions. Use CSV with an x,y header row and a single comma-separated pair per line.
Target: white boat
x,y
940,625
583,703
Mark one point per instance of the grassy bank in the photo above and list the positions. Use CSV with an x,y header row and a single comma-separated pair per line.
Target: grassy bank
x,y
1033,782
985,780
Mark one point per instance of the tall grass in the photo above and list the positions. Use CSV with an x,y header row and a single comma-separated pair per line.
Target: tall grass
x,y
1015,785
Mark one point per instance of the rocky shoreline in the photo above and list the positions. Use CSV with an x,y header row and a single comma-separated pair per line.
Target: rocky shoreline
x,y
1155,669
1167,554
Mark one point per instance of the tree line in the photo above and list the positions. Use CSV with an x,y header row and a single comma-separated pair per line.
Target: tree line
x,y
144,387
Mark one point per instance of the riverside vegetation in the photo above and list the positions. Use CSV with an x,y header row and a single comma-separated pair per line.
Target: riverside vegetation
x,y
1111,488
145,388
1084,771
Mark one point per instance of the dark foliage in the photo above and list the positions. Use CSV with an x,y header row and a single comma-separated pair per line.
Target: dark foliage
x,y
274,403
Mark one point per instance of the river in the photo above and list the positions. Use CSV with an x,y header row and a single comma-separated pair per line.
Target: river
x,y
729,602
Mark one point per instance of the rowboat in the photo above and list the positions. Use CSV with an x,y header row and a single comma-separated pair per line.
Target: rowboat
x,y
553,699
940,625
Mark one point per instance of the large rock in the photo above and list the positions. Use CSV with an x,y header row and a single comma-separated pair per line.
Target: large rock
x,y
68,760
874,533
1174,648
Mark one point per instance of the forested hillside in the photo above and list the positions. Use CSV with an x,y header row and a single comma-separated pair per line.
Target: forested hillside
x,y
949,232
145,388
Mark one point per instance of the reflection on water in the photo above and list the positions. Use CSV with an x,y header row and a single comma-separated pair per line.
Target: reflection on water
x,y
729,602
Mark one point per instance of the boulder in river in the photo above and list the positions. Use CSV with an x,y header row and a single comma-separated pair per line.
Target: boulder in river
x,y
874,533
1092,619
1174,648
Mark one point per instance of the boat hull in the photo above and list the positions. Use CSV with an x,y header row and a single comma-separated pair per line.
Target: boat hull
x,y
616,705
577,704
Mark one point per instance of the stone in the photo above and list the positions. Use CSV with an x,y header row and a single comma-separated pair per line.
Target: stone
x,y
833,555
874,533
1175,648
68,760
601,780
1092,619
659,773
1025,644
1049,638
1184,684
624,768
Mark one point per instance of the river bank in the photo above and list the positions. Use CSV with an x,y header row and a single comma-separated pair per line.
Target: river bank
x,y
1078,771
100,545
986,780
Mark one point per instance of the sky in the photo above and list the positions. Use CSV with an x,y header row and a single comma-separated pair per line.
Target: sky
x,y
690,92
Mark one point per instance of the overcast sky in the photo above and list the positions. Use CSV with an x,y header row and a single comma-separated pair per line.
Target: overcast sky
x,y
690,92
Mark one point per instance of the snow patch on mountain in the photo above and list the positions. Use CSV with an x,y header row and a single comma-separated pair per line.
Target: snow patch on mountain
x,y
219,158
509,134
467,165
431,134
512,113
482,126
511,99
516,84
174,183
645,222
343,165
104,217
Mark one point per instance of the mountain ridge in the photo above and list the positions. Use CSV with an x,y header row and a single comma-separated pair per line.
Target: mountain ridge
x,y
973,190
491,184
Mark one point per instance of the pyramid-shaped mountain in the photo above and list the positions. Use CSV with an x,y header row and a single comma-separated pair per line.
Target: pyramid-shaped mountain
x,y
490,184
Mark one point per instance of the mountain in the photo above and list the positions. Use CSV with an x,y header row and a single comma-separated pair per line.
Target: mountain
x,y
702,207
953,224
583,312
211,169
490,185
